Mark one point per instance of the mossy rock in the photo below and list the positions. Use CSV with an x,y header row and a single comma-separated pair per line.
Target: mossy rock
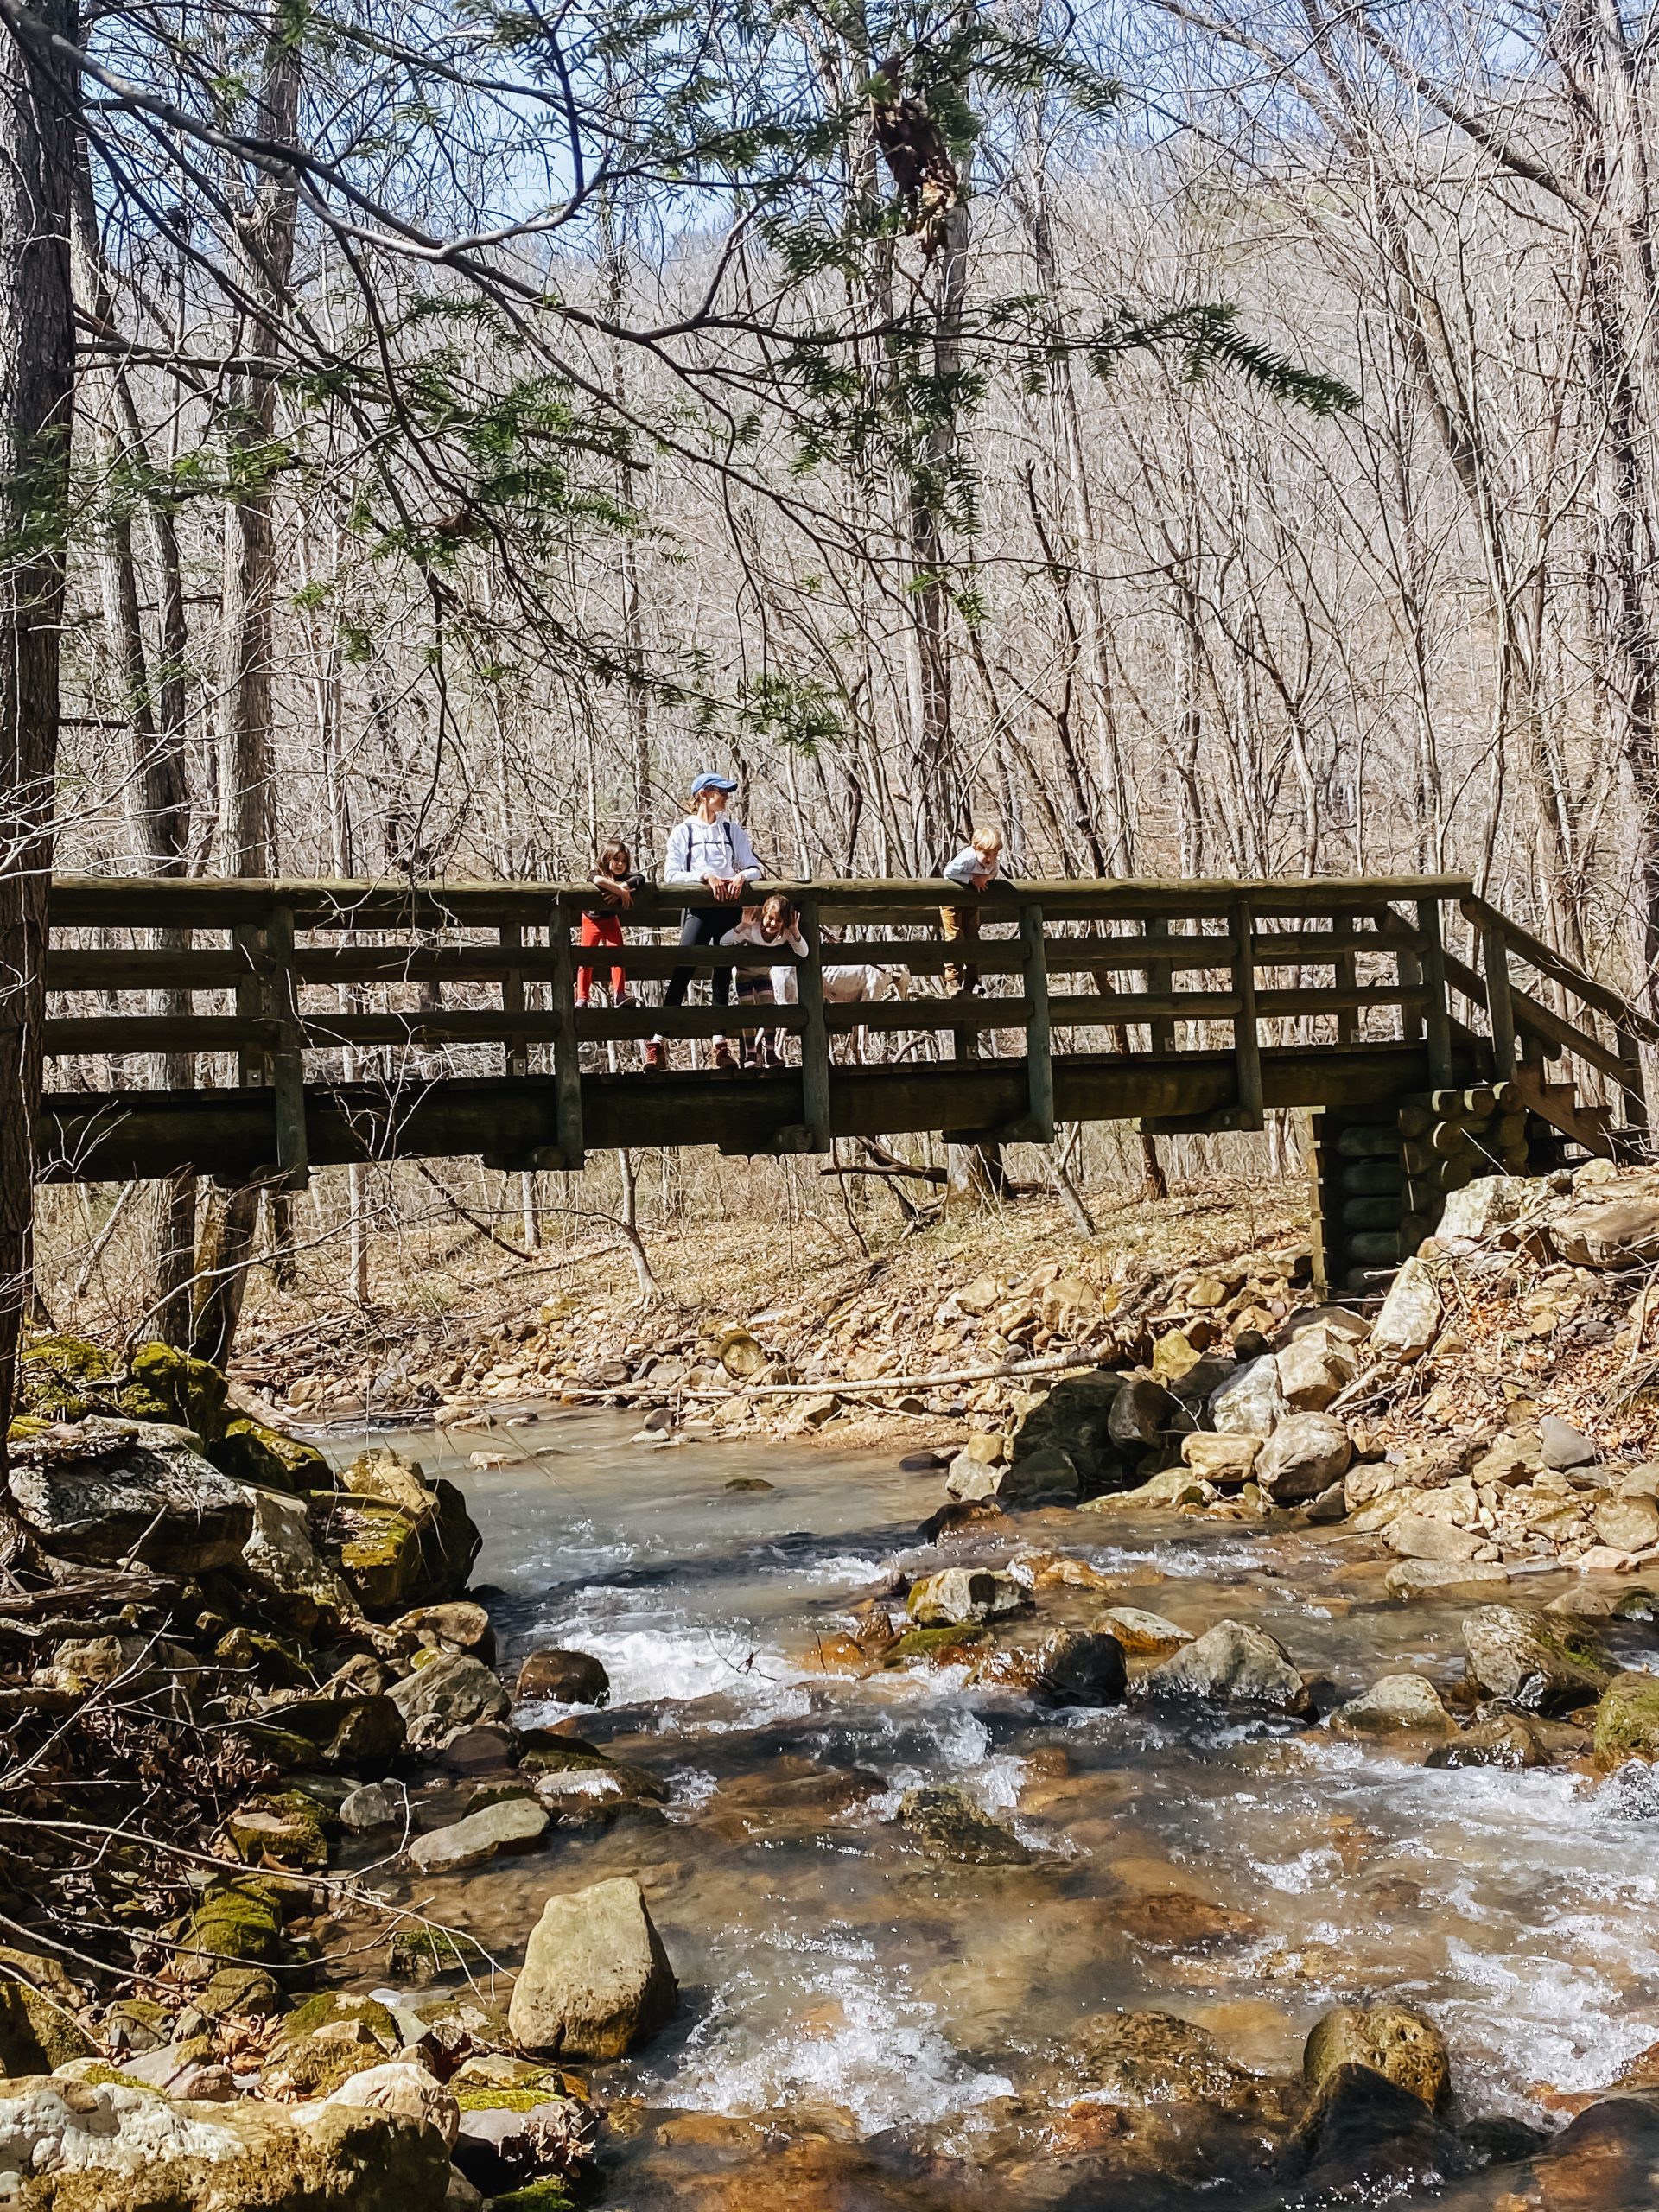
x,y
285,1828
37,2035
24,1426
57,1377
239,1920
50,1976
352,1735
381,1558
1627,1720
423,1954
546,1753
146,2024
273,1663
252,1452
325,2041
501,2096
167,1384
934,1644
547,2195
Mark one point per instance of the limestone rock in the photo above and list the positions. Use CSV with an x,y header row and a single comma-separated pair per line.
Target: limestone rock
x,y
1154,2058
1311,1370
138,2148
1226,1461
1391,2039
1563,1445
560,1677
1069,1305
1143,1634
1429,1536
1249,1402
949,1824
459,1623
1477,1212
280,1560
350,1735
325,2040
1628,1524
1410,1319
1174,1487
406,2091
1230,1664
512,1824
1627,1720
1397,1705
596,1979
1305,1455
1426,1577
960,1595
107,1490
1613,1233
444,1541
445,1694
1509,1740
1541,1664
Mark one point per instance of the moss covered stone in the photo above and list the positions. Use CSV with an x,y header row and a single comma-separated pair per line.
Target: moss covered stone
x,y
1627,1720
285,1828
548,2195
938,1645
57,1378
240,1919
253,1452
166,1384
243,1992
325,2041
37,2035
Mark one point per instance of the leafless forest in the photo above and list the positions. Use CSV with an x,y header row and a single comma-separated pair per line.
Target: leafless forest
x,y
1248,468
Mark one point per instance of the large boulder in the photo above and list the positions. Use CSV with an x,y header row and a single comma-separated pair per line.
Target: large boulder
x,y
1304,1456
1541,1664
116,2146
1076,1666
344,1734
1142,1412
1074,1418
1227,1461
1313,1367
1230,1664
1156,2058
596,1979
1046,1477
106,1491
448,1692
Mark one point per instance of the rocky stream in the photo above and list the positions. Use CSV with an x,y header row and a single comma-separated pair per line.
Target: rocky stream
x,y
1222,1776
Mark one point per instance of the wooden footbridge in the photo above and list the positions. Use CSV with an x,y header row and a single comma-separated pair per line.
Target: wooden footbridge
x,y
308,1024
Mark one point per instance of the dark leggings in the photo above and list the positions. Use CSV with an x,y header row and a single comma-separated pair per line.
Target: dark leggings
x,y
702,929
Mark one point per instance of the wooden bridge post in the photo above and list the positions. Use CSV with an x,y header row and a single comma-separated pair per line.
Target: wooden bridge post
x,y
249,943
1040,1053
512,939
1346,976
814,1036
287,1060
1437,1014
567,1049
1159,981
1500,1001
1247,1041
1629,1081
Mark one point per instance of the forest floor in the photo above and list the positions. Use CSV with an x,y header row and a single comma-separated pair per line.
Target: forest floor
x,y
881,1307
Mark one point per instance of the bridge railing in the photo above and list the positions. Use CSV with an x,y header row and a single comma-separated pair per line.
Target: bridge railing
x,y
297,981
1172,962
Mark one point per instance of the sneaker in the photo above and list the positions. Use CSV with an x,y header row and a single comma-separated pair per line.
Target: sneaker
x,y
724,1063
581,1006
656,1058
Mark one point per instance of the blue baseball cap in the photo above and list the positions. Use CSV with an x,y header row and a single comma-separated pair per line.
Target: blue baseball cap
x,y
710,782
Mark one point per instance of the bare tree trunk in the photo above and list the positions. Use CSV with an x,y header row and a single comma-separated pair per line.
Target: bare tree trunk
x,y
37,124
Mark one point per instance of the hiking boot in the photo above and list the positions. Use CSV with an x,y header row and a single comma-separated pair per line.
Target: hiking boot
x,y
725,1063
656,1058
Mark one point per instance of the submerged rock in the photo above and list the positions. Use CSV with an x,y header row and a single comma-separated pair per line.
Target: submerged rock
x,y
1074,1666
596,1979
1230,1664
1509,1739
947,1822
1367,2138
1155,2058
1627,1720
512,1824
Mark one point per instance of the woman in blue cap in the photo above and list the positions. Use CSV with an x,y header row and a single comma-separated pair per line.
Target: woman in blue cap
x,y
708,849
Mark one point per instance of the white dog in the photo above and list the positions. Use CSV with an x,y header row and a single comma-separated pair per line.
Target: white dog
x,y
845,985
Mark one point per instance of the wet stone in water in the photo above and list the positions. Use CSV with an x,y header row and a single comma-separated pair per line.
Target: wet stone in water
x,y
948,1823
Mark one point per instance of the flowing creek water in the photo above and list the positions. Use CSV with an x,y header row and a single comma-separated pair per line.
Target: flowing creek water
x,y
837,1979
